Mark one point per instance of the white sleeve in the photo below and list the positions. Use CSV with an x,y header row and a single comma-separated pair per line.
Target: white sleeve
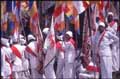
x,y
113,36
115,27
2,62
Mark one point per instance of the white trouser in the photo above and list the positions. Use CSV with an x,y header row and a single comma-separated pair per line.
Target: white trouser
x,y
68,71
18,75
115,58
35,74
106,66
60,65
27,74
49,70
5,77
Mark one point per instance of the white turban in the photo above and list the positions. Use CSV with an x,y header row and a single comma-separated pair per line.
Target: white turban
x,y
69,33
101,24
60,37
21,36
46,30
5,41
31,37
110,13
22,41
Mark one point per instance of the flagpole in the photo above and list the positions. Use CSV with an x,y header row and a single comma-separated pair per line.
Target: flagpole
x,y
22,27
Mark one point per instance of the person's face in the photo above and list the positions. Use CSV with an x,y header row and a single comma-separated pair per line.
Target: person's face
x,y
101,29
110,18
66,37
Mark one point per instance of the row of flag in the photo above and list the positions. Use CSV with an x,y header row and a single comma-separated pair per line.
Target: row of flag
x,y
73,10
11,15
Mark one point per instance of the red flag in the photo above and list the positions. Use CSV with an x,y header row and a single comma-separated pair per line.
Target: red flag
x,y
50,44
72,9
4,16
102,6
34,25
59,17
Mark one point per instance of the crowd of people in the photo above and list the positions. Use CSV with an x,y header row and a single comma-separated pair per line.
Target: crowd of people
x,y
20,59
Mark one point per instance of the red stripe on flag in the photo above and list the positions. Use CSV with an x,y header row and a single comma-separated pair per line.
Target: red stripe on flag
x,y
58,11
59,26
85,4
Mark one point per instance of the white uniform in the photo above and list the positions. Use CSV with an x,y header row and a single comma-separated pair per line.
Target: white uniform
x,y
60,59
112,27
6,65
33,59
49,68
25,64
105,54
18,61
69,60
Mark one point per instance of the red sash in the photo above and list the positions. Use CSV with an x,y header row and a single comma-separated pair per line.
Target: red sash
x,y
93,68
73,42
112,23
59,46
28,49
98,61
101,38
6,59
16,52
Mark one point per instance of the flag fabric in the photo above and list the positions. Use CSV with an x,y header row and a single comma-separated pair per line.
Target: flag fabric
x,y
4,16
8,6
85,39
58,16
103,7
34,24
34,18
9,21
73,10
16,16
83,5
100,9
25,5
50,44
30,4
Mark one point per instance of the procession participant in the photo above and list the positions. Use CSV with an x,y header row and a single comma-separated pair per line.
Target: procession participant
x,y
18,52
112,27
104,51
69,57
60,56
25,62
31,54
6,59
48,66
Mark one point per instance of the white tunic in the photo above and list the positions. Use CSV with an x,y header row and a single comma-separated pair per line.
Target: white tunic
x,y
105,44
17,64
60,59
34,62
106,55
114,47
69,60
5,66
